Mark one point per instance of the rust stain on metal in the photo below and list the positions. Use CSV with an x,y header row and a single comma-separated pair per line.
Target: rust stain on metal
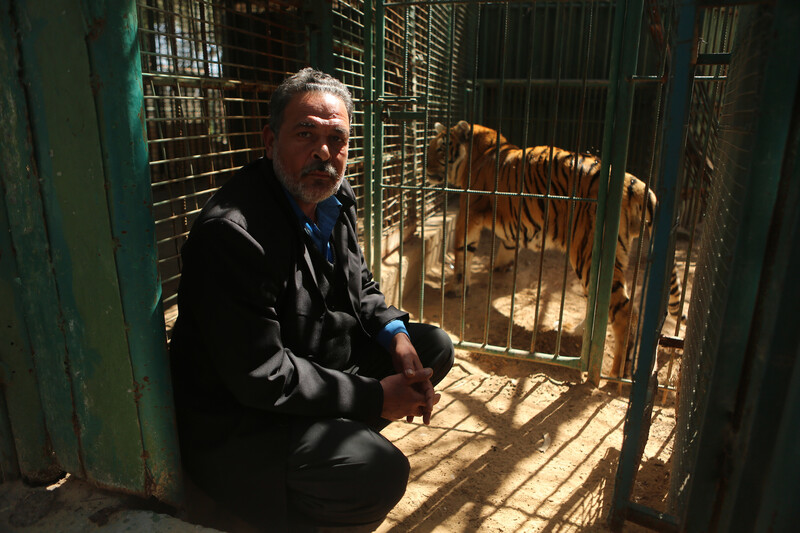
x,y
137,391
96,28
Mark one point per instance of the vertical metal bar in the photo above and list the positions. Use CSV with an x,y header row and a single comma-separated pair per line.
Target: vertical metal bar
x,y
24,441
619,108
408,15
468,185
369,134
120,106
537,314
423,204
66,133
500,101
377,128
671,165
525,132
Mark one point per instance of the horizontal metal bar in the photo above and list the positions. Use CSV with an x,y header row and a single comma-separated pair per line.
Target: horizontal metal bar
x,y
185,80
648,79
204,156
714,59
404,115
523,82
669,341
515,353
402,99
174,236
429,3
176,277
197,194
495,193
726,3
627,381
645,516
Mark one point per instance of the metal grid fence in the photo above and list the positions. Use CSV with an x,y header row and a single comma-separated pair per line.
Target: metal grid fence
x,y
208,69
721,227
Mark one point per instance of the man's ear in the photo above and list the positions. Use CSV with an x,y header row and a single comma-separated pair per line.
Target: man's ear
x,y
269,139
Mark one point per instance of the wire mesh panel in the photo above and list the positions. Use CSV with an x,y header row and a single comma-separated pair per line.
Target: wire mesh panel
x,y
348,58
208,68
425,49
718,244
537,73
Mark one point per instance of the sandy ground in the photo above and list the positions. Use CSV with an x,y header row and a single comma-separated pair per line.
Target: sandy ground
x,y
514,445
517,445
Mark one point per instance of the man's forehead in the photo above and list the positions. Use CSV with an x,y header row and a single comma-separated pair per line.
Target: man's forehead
x,y
317,109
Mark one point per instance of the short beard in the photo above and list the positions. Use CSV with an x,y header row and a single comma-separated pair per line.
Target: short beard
x,y
303,191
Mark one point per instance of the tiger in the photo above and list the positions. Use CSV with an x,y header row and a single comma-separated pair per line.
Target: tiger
x,y
572,175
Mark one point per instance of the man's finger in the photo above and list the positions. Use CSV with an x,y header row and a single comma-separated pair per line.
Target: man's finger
x,y
418,377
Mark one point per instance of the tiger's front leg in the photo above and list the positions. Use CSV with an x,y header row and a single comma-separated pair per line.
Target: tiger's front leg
x,y
464,250
620,314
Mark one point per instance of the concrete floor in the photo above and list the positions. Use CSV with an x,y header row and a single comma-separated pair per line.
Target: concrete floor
x,y
75,506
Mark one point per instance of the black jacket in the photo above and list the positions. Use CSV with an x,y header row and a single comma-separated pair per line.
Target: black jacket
x,y
249,346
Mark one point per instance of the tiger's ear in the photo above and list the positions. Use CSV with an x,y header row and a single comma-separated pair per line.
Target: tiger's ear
x,y
439,127
462,130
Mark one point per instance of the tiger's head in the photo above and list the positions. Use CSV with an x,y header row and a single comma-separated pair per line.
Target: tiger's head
x,y
446,151
637,199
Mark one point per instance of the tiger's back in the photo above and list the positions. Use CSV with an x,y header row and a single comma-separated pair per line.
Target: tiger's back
x,y
560,189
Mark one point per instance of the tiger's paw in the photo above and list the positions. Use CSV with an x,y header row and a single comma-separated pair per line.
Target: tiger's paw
x,y
453,292
572,331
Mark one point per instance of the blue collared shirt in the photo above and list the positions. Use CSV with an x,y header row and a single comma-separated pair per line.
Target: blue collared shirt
x,y
327,214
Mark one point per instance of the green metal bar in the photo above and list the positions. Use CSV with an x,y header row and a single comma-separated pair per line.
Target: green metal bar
x,y
69,160
409,17
594,332
25,444
377,187
116,68
445,199
402,115
615,154
25,209
650,518
676,116
428,100
476,54
547,197
525,131
370,111
562,56
547,358
500,101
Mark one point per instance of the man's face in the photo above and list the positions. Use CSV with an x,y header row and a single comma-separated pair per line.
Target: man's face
x,y
309,153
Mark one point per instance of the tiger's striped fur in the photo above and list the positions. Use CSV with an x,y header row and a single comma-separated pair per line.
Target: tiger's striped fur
x,y
569,175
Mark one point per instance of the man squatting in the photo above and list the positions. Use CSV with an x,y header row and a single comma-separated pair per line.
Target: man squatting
x,y
286,360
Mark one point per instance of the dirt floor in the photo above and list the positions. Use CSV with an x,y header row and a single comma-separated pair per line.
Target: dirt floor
x,y
517,445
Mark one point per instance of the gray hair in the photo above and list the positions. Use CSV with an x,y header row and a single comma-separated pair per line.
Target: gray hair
x,y
306,80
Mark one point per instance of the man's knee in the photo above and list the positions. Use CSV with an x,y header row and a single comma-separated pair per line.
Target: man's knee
x,y
361,481
435,349
385,480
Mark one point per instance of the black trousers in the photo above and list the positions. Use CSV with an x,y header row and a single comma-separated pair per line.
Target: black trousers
x,y
344,473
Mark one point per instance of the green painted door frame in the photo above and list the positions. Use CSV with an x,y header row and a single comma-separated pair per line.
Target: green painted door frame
x,y
78,255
